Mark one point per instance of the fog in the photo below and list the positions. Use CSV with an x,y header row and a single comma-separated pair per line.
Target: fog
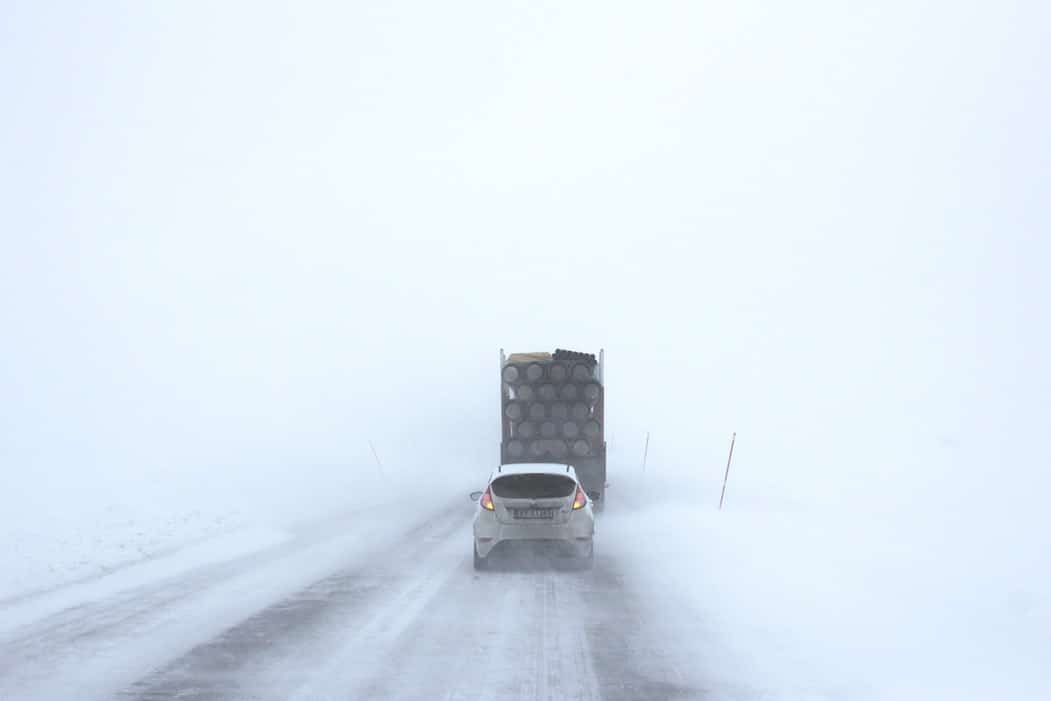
x,y
241,242
245,243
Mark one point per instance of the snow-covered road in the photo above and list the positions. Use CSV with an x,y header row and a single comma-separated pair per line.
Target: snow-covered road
x,y
353,609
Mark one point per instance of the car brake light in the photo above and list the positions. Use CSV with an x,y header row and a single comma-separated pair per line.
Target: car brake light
x,y
487,500
580,501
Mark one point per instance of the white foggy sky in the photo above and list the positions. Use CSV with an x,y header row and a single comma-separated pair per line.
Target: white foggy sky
x,y
260,234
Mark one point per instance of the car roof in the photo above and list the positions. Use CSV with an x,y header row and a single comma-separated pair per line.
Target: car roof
x,y
535,468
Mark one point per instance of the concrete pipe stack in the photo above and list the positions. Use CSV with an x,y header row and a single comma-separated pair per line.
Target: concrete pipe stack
x,y
552,406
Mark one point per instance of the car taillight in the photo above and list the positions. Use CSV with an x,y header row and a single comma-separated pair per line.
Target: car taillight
x,y
580,501
487,500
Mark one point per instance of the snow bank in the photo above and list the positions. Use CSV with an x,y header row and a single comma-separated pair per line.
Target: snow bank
x,y
151,569
794,601
57,532
43,550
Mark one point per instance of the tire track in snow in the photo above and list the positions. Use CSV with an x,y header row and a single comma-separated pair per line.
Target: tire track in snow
x,y
418,623
323,636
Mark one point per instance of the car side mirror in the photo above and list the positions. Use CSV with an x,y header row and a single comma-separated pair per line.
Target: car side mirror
x,y
595,496
475,496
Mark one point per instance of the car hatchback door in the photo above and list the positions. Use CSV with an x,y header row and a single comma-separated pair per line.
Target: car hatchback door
x,y
533,498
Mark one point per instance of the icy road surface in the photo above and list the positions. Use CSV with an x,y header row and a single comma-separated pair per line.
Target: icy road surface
x,y
359,609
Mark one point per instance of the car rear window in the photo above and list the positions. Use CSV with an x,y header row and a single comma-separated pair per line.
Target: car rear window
x,y
533,486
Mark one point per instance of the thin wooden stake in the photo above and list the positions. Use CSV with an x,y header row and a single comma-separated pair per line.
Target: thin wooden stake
x,y
727,475
376,456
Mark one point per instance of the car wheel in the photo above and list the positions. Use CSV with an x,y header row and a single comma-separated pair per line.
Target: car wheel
x,y
480,563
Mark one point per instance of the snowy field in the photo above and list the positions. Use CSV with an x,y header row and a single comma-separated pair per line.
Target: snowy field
x,y
837,601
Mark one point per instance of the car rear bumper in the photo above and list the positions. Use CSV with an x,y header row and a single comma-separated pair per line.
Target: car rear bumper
x,y
488,533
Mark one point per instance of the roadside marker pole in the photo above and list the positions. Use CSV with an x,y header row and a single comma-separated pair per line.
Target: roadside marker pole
x,y
646,451
376,456
727,475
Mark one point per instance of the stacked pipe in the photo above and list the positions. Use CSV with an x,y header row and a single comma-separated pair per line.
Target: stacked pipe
x,y
552,406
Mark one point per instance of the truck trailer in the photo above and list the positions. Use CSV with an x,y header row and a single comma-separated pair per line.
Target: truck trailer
x,y
552,409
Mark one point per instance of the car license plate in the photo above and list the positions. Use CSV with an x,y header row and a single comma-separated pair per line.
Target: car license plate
x,y
534,513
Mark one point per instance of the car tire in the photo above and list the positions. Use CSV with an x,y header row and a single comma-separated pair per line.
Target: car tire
x,y
480,563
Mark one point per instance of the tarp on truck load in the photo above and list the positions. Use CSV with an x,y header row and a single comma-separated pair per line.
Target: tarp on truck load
x,y
529,358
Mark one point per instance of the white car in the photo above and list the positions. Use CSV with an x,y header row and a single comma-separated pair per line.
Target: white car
x,y
534,503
